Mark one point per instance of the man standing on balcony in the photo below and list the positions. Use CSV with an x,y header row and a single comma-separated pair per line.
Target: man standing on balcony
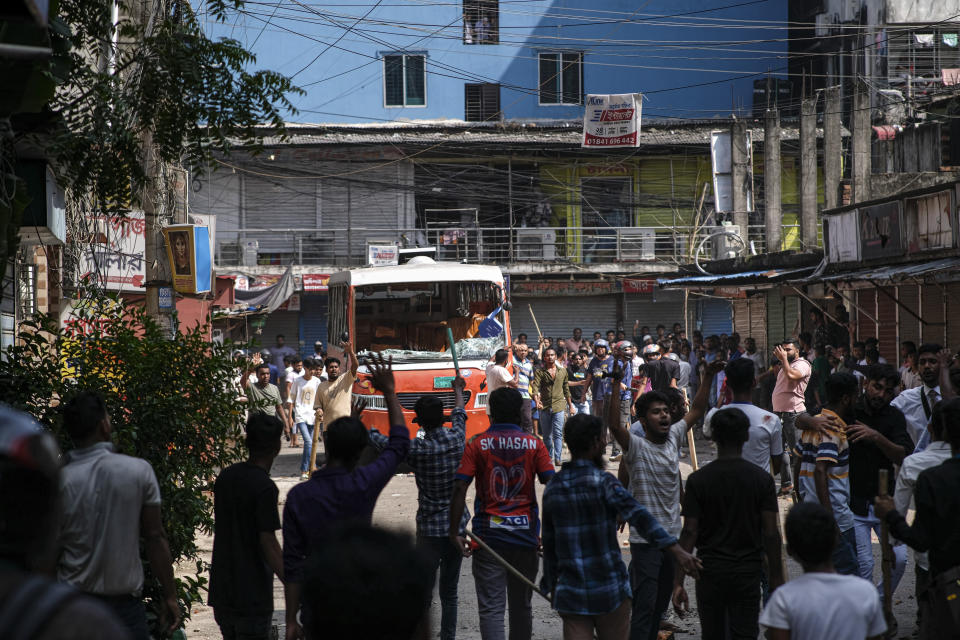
x,y
333,395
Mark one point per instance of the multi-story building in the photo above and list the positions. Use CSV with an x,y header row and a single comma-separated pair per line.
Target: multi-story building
x,y
459,127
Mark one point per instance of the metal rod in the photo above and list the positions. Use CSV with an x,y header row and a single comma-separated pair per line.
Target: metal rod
x,y
853,303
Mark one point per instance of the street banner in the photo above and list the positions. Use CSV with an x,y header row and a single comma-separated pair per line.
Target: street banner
x,y
188,249
315,282
612,121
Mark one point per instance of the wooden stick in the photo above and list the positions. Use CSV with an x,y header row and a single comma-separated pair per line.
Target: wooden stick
x,y
453,350
539,333
506,565
693,450
886,552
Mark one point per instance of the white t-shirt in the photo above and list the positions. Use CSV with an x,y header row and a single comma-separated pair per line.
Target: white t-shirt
x,y
826,606
655,478
497,377
765,439
303,392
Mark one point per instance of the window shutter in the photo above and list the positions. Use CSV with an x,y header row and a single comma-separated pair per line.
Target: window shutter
x,y
481,102
572,78
549,79
415,83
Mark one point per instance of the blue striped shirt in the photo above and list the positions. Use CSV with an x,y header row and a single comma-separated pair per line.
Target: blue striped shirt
x,y
582,566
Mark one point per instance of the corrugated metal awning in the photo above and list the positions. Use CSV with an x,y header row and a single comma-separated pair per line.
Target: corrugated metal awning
x,y
893,273
766,276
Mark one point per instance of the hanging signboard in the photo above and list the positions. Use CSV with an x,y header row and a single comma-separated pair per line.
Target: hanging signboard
x,y
612,121
114,257
188,249
638,285
383,255
315,282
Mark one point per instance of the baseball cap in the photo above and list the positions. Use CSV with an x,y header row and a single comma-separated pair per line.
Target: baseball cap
x,y
651,348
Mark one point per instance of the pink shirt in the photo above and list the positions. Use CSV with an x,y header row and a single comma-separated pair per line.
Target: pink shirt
x,y
788,394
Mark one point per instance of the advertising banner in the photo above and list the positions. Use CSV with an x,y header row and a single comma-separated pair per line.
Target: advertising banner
x,y
191,265
315,282
383,255
114,257
612,121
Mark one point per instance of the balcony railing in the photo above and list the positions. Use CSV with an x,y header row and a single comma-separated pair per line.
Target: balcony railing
x,y
496,245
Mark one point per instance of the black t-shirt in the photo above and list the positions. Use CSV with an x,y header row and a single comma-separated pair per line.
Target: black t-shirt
x,y
576,375
661,372
866,458
244,505
727,497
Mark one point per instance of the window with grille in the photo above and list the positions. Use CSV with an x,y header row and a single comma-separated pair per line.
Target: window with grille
x,y
481,102
561,77
481,21
404,81
923,56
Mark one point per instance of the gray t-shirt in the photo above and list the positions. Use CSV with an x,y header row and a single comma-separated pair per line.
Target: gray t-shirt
x,y
103,495
269,393
655,478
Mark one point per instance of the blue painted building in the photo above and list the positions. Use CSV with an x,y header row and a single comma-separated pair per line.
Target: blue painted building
x,y
480,60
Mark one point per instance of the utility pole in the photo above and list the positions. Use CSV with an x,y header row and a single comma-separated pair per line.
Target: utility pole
x,y
151,231
510,204
861,142
771,180
831,146
739,168
808,173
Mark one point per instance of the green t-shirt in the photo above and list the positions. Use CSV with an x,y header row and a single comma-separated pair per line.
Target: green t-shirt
x,y
265,399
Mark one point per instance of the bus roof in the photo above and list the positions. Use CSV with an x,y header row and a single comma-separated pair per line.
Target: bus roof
x,y
419,271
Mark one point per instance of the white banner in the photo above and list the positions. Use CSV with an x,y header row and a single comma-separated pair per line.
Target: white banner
x,y
114,258
612,120
382,255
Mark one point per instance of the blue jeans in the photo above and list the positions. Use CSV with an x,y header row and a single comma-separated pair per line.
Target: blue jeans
x,y
551,423
845,555
243,627
582,407
448,558
863,525
306,434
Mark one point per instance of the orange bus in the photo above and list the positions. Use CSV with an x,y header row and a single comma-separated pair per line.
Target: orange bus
x,y
404,311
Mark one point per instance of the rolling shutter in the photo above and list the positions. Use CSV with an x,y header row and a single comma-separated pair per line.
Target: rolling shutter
x,y
775,330
931,303
661,307
313,322
716,317
750,320
887,326
909,326
557,317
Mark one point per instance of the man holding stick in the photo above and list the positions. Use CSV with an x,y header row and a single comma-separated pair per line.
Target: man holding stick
x,y
504,460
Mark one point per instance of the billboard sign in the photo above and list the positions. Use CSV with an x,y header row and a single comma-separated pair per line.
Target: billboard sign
x,y
612,121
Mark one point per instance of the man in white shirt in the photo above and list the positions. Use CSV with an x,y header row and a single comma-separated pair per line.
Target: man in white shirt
x,y
820,603
653,465
303,393
935,454
917,404
498,375
764,445
757,358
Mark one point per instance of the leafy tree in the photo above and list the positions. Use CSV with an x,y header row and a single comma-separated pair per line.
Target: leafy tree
x,y
171,402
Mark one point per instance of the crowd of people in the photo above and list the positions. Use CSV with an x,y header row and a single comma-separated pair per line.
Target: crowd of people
x,y
824,419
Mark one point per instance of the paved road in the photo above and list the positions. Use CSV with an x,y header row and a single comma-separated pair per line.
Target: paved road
x,y
396,509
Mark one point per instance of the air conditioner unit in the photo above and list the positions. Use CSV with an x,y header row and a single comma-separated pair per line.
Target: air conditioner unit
x,y
536,244
638,243
250,250
726,245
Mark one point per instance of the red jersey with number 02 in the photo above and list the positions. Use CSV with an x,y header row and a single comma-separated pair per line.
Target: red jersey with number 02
x,y
505,460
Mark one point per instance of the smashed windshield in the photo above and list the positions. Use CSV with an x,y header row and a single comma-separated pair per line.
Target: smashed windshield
x,y
467,349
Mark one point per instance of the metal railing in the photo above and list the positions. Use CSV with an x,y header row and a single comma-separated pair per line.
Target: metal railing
x,y
488,245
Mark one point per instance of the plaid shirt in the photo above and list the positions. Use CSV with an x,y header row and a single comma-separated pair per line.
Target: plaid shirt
x,y
435,458
581,557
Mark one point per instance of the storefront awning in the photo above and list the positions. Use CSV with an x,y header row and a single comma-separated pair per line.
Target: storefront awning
x,y
893,273
766,276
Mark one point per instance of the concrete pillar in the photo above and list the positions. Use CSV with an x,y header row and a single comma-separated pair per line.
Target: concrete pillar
x,y
861,142
832,131
808,173
740,179
771,180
